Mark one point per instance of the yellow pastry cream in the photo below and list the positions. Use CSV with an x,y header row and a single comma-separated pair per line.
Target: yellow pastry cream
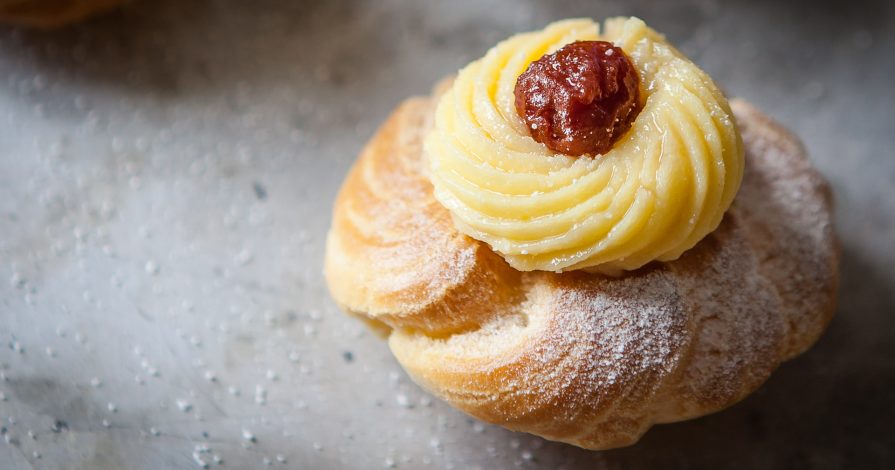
x,y
663,186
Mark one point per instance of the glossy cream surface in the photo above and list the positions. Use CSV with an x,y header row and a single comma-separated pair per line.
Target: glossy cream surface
x,y
663,186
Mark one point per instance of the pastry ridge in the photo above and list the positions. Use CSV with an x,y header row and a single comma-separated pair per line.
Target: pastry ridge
x,y
576,357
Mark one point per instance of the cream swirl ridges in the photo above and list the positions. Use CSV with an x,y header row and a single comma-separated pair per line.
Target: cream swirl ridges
x,y
663,187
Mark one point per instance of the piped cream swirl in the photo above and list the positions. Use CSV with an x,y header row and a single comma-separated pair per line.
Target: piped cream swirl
x,y
663,186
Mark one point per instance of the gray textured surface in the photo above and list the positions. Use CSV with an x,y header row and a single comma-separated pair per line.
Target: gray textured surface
x,y
166,175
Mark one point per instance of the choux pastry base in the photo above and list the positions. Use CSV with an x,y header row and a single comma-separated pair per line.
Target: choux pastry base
x,y
575,357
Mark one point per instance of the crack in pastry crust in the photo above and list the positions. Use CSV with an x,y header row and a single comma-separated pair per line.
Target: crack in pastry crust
x,y
577,357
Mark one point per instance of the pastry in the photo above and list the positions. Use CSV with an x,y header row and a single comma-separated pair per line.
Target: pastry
x,y
46,14
577,294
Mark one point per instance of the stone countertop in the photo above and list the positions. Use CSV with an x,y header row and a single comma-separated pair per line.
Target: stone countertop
x,y
166,176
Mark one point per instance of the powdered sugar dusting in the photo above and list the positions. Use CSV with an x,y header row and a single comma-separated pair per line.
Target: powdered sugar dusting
x,y
385,218
787,206
579,357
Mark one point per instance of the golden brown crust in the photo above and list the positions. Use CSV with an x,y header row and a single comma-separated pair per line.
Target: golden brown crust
x,y
576,357
47,14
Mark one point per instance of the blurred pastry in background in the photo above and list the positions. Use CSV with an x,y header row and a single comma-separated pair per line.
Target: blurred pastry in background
x,y
48,14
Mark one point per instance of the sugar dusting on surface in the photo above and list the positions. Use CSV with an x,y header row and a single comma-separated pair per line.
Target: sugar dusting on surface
x,y
386,220
787,206
580,357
